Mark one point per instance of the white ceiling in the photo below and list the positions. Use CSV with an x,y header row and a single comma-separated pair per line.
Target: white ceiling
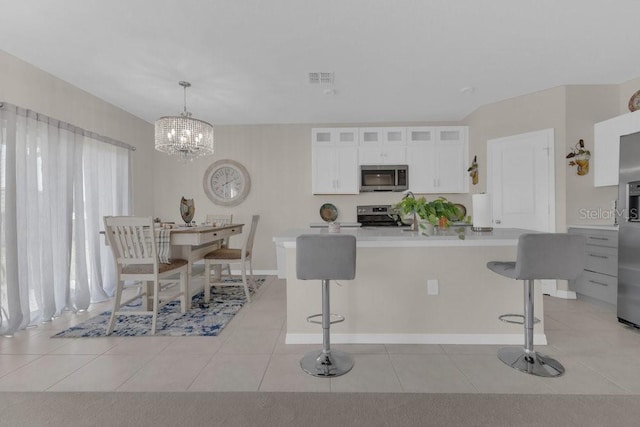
x,y
394,60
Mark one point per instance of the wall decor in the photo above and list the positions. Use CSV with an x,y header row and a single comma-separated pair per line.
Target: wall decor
x,y
580,157
473,170
634,102
187,210
226,182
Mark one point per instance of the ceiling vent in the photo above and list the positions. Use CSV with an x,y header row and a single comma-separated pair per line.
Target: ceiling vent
x,y
320,78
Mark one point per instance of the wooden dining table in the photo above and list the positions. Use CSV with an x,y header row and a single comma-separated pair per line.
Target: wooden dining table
x,y
193,243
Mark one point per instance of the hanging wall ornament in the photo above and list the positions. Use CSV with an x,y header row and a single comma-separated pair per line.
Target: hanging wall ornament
x,y
473,170
580,157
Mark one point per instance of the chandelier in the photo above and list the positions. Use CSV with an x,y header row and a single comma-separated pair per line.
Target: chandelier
x,y
182,135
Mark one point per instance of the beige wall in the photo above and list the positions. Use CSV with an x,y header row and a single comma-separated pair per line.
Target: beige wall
x,y
29,87
585,106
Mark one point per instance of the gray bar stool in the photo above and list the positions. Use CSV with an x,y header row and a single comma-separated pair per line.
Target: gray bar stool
x,y
540,256
326,257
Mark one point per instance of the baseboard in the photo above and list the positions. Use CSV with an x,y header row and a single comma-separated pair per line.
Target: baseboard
x,y
487,339
564,294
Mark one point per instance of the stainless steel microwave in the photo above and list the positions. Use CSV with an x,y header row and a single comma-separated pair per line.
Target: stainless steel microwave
x,y
384,178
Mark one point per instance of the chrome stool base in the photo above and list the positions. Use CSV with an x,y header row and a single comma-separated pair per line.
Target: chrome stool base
x,y
531,363
325,365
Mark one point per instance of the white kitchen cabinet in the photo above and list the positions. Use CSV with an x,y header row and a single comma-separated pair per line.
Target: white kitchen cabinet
x,y
370,137
452,156
382,156
437,158
394,136
333,136
606,149
335,161
382,146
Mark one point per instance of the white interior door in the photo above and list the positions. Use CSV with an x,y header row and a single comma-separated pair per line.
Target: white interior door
x,y
521,182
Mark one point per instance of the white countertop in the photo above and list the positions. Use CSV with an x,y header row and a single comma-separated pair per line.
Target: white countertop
x,y
326,224
610,227
395,237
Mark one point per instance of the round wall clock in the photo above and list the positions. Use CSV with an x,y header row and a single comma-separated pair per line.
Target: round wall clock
x,y
226,182
634,102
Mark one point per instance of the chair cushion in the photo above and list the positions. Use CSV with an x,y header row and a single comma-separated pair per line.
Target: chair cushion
x,y
503,268
148,268
226,253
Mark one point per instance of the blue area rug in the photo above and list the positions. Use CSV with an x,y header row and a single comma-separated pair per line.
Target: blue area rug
x,y
202,320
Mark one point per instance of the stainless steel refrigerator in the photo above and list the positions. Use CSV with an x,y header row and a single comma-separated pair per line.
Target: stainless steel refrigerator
x,y
628,214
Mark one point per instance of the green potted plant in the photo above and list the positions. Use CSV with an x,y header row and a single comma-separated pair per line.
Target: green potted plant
x,y
431,212
441,212
410,206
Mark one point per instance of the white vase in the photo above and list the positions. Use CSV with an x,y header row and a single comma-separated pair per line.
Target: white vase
x,y
426,227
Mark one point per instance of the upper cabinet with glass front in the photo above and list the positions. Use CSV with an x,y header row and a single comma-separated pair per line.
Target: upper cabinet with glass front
x,y
382,146
437,157
334,153
334,136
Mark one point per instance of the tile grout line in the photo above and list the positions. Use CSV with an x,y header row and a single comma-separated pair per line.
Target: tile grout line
x,y
395,371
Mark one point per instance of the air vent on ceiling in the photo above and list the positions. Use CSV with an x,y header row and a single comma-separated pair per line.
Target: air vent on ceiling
x,y
320,78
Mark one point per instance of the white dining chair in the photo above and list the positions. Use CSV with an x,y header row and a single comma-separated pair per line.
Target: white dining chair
x,y
133,244
218,220
230,256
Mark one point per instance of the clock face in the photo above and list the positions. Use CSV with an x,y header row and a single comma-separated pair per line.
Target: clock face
x,y
226,182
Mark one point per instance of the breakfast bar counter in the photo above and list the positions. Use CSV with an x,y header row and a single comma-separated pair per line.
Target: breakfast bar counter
x,y
413,289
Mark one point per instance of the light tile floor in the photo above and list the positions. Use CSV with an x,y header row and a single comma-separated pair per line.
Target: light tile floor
x,y
601,357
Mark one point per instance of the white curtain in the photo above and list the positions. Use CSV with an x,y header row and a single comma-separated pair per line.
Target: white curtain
x,y
57,182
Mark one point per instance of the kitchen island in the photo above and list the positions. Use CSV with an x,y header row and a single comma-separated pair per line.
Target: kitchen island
x,y
414,289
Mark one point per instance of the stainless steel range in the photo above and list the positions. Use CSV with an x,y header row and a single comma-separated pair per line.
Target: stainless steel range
x,y
378,216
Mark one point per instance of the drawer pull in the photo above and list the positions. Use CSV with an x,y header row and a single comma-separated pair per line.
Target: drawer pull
x,y
599,256
599,238
598,283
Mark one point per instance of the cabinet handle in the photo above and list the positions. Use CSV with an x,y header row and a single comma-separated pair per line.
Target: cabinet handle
x,y
599,238
598,283
599,256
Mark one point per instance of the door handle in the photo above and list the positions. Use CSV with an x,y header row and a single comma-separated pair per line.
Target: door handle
x,y
598,283
497,221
